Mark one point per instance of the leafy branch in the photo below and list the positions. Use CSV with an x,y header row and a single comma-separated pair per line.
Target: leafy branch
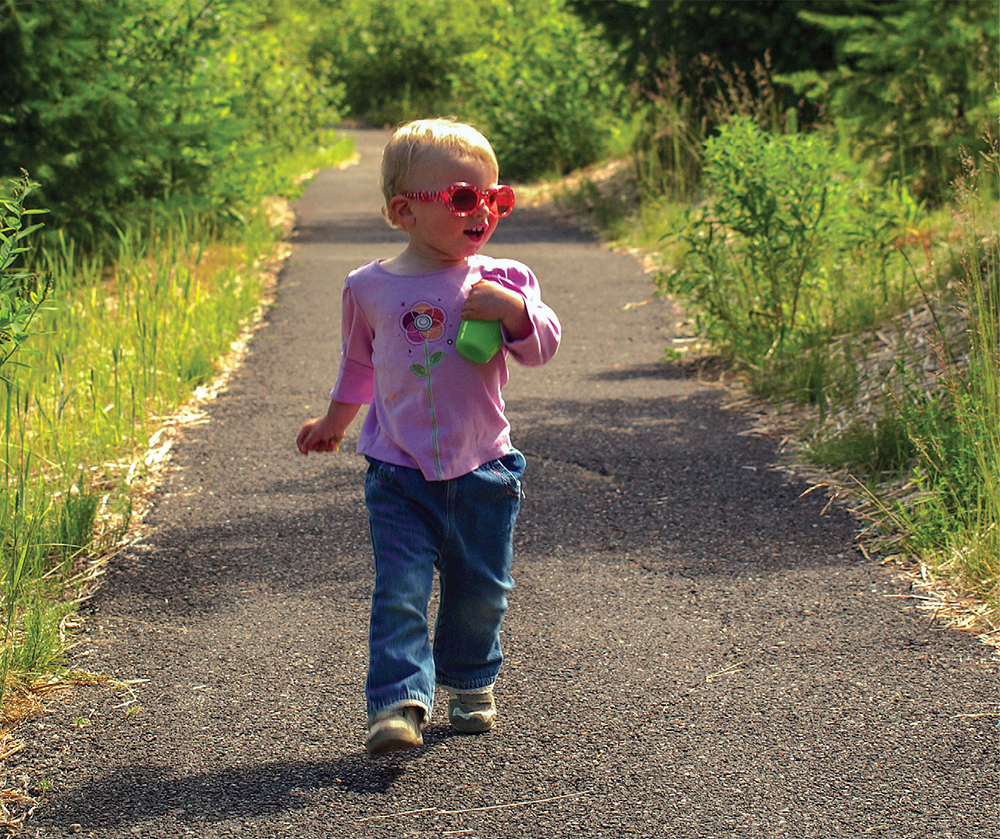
x,y
21,292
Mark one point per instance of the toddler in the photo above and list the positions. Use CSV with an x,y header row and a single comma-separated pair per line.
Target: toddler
x,y
443,485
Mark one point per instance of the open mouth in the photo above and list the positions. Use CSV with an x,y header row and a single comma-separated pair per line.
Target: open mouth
x,y
476,233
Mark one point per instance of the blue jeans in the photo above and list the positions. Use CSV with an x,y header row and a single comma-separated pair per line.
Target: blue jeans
x,y
464,528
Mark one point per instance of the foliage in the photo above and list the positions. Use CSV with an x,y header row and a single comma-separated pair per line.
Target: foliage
x,y
163,122
907,83
155,127
790,224
691,66
528,73
394,59
21,292
21,512
949,516
119,103
915,83
673,125
548,102
651,36
119,345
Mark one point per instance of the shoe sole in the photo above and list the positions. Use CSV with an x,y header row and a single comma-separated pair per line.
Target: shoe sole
x,y
389,739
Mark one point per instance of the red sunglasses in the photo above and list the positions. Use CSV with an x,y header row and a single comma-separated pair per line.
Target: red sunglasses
x,y
464,199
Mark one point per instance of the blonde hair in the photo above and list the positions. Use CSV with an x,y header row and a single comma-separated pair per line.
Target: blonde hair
x,y
414,141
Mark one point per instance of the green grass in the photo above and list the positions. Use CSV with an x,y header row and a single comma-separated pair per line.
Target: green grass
x,y
954,526
936,442
119,346
880,448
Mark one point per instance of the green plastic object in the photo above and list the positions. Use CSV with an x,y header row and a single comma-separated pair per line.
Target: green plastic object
x,y
479,340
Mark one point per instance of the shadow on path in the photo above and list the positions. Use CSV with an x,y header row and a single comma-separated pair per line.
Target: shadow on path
x,y
692,494
144,793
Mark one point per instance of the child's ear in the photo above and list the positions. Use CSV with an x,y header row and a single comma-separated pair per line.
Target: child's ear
x,y
400,212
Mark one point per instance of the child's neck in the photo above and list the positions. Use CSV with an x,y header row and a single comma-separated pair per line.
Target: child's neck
x,y
410,263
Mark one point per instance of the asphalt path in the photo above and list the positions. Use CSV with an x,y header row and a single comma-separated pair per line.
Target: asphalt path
x,y
694,648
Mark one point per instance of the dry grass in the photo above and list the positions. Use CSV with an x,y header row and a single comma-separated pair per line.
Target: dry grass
x,y
934,590
16,806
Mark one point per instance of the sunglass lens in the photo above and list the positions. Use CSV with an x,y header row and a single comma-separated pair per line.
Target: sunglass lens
x,y
465,200
504,200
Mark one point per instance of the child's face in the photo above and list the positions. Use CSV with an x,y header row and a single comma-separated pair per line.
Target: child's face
x,y
437,235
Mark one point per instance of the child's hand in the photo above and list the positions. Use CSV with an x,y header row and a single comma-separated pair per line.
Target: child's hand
x,y
317,436
488,300
324,434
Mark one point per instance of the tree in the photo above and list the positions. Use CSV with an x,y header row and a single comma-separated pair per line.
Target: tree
x,y
115,103
652,35
914,84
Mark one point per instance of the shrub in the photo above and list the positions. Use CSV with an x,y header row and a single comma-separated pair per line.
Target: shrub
x,y
792,245
394,59
530,75
539,85
127,102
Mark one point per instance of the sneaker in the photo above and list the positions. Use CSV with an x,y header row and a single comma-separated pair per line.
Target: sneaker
x,y
473,712
394,730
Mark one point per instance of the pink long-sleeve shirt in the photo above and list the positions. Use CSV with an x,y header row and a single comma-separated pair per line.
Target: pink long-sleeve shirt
x,y
431,409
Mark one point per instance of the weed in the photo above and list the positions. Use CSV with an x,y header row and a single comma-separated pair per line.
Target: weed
x,y
937,431
21,292
793,248
849,299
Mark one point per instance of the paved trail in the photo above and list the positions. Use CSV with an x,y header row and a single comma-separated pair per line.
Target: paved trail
x,y
694,649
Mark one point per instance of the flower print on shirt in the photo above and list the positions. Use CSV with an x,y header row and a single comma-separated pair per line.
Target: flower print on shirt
x,y
422,324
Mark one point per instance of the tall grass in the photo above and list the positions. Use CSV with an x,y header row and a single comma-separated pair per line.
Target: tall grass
x,y
672,122
128,341
947,514
120,346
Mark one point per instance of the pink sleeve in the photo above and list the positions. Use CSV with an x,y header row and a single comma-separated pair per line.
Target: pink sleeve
x,y
538,347
356,380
